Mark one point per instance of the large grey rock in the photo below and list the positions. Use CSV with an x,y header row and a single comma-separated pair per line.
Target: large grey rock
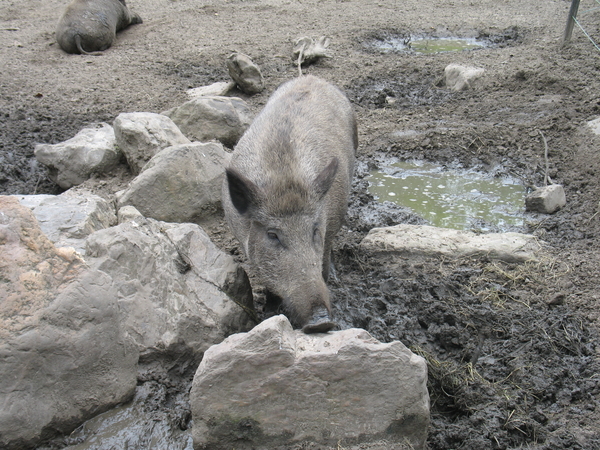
x,y
176,289
91,151
212,118
547,199
64,355
69,218
179,184
141,135
460,78
71,332
276,386
423,240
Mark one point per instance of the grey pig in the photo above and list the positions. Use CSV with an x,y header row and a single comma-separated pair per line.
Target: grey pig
x,y
91,25
286,193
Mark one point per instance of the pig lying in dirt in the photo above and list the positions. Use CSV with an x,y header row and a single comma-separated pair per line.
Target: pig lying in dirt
x,y
286,192
91,25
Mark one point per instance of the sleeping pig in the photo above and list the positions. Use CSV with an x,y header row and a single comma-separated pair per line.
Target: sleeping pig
x,y
91,25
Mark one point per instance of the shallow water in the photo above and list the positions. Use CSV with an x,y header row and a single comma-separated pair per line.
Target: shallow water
x,y
429,44
459,199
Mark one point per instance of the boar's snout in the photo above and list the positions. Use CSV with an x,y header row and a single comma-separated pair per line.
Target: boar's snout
x,y
309,307
320,322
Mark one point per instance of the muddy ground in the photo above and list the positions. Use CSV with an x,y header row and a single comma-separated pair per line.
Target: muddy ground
x,y
512,350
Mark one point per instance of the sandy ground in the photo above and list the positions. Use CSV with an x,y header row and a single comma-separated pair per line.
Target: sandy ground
x,y
513,350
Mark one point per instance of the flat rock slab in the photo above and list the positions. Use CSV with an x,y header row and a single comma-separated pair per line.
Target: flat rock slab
x,y
220,88
277,386
423,240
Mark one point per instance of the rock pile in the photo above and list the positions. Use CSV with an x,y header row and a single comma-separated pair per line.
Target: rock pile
x,y
90,290
94,289
75,324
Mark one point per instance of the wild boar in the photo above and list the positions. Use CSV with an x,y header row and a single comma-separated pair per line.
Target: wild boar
x,y
286,193
91,25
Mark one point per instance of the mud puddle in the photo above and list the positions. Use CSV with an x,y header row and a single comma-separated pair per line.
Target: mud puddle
x,y
451,198
429,44
442,41
158,417
397,91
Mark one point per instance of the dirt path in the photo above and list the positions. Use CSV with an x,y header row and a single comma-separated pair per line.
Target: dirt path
x,y
513,350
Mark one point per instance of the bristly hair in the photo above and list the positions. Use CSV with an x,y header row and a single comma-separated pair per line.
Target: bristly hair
x,y
286,198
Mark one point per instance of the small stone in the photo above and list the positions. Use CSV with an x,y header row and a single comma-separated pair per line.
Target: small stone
x,y
557,299
594,125
546,200
245,73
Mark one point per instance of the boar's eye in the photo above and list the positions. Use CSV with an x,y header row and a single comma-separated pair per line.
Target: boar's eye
x,y
273,236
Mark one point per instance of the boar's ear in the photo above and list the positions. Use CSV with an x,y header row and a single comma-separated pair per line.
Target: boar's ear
x,y
242,191
325,179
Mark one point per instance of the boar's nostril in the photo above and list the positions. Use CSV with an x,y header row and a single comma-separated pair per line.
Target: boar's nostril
x,y
320,323
321,327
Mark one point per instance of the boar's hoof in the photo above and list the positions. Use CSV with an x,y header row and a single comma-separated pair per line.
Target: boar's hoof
x,y
320,323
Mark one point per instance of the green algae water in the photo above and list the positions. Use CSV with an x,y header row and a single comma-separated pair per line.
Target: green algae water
x,y
430,45
443,45
458,199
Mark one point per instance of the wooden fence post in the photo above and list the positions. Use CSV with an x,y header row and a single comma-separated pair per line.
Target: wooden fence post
x,y
571,20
